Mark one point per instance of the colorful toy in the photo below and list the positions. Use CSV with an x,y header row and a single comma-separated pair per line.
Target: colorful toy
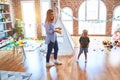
x,y
116,38
107,44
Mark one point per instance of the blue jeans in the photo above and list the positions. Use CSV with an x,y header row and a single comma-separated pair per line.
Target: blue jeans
x,y
51,46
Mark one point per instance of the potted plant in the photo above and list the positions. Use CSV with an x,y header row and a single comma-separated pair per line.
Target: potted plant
x,y
18,30
17,35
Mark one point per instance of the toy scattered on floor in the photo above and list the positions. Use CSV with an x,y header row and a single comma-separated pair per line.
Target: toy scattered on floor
x,y
22,42
114,42
18,43
116,38
107,44
102,50
94,50
116,35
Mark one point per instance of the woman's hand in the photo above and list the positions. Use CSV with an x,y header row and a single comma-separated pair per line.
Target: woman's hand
x,y
58,31
59,28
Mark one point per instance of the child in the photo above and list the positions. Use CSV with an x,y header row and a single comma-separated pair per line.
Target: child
x,y
84,44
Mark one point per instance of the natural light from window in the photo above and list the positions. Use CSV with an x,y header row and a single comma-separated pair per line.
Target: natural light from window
x,y
116,23
67,19
45,5
92,7
90,19
29,18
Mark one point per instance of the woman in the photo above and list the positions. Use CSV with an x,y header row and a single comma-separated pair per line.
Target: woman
x,y
51,38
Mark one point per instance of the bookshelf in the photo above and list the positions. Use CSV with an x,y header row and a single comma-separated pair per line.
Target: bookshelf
x,y
5,23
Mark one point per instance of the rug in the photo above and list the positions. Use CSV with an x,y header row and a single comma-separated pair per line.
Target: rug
x,y
9,75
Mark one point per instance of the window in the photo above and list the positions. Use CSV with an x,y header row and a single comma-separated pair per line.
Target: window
x,y
92,18
92,7
116,19
44,6
67,19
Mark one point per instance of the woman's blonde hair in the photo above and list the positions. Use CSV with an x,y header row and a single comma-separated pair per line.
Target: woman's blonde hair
x,y
85,32
48,18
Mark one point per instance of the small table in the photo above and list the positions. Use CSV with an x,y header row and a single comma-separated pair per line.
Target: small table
x,y
30,46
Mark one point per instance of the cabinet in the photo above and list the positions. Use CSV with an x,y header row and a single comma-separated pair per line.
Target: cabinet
x,y
5,23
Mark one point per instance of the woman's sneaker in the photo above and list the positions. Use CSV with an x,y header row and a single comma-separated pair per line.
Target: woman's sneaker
x,y
57,62
50,64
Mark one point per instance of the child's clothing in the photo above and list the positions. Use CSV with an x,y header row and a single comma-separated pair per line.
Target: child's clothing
x,y
84,41
83,49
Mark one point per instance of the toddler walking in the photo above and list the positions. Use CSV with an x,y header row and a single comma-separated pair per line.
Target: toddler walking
x,y
84,44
